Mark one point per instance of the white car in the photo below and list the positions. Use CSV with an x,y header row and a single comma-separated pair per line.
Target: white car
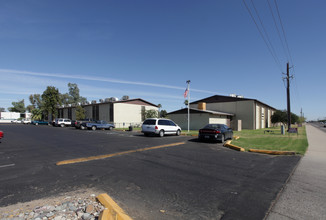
x,y
26,121
160,126
62,122
16,121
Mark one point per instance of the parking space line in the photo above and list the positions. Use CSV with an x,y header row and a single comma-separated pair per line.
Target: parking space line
x,y
85,159
7,165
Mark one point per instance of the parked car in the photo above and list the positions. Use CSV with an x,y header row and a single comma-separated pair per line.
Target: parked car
x,y
26,121
79,123
215,132
97,125
62,122
16,121
160,126
1,134
40,122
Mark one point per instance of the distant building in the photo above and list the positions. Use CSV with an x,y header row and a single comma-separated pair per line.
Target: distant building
x,y
9,116
236,111
122,113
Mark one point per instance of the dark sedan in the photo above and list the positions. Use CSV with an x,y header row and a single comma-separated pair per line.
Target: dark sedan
x,y
215,132
40,122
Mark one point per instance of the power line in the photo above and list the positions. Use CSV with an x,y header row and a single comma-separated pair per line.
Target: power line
x,y
261,34
286,42
266,34
278,30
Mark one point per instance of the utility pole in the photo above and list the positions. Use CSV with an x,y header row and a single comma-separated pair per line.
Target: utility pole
x,y
301,113
288,77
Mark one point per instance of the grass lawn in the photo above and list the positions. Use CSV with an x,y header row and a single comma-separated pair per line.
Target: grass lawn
x,y
191,132
256,139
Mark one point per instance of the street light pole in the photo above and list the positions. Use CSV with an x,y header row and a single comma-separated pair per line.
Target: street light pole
x,y
188,88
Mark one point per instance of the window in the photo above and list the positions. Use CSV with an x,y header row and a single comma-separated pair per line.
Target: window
x,y
69,113
163,122
172,123
95,112
149,122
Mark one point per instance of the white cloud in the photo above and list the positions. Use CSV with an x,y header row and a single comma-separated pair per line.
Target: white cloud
x,y
100,79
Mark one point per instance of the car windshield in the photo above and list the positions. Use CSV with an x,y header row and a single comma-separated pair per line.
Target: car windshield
x,y
213,126
150,122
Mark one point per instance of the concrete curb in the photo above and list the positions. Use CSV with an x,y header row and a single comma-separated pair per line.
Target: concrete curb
x,y
231,146
272,152
236,137
112,211
234,147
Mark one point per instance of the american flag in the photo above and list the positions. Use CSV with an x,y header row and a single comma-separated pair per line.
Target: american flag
x,y
186,93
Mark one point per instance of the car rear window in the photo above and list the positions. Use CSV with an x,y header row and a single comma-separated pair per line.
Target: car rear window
x,y
149,122
213,126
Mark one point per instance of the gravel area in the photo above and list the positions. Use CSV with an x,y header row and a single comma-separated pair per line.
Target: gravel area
x,y
79,205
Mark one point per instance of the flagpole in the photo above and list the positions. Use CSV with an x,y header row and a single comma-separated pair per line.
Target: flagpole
x,y
188,82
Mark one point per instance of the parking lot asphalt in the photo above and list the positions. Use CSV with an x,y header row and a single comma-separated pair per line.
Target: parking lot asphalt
x,y
187,181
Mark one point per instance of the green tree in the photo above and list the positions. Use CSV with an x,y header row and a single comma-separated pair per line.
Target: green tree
x,y
2,109
151,113
281,117
80,112
18,106
51,99
36,100
37,114
163,113
65,99
74,94
30,108
294,118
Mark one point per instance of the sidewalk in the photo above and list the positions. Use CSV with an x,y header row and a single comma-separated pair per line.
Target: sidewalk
x,y
304,197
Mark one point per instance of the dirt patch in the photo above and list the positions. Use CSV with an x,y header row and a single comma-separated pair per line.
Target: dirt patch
x,y
27,207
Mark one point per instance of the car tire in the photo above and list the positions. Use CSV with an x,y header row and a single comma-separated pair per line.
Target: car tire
x,y
161,133
62,125
82,127
146,134
222,138
93,128
110,128
36,123
178,133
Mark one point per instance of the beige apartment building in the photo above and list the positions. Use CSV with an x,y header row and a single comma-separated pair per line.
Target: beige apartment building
x,y
121,113
235,111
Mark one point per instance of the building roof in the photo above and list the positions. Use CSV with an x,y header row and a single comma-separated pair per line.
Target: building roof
x,y
198,111
137,101
220,99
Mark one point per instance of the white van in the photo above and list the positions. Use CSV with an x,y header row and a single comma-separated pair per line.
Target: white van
x,y
160,126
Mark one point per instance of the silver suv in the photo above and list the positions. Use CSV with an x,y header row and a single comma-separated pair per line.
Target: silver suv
x,y
160,126
62,122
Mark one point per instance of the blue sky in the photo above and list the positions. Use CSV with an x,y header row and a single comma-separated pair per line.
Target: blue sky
x,y
149,49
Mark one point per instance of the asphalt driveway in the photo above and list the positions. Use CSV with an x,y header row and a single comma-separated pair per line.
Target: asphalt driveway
x,y
186,181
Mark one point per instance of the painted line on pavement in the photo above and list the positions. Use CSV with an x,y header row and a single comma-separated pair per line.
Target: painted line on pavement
x,y
7,165
85,159
113,210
